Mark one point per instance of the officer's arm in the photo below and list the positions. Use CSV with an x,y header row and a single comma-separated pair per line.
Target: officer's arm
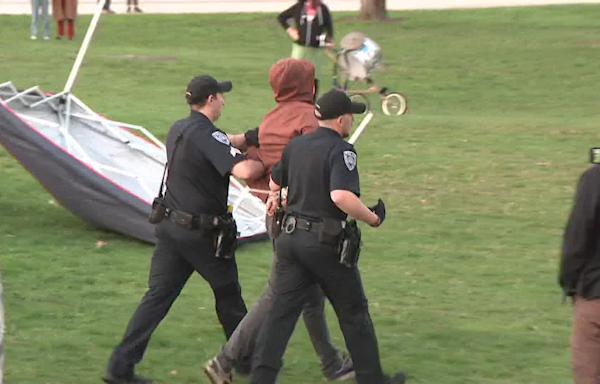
x,y
349,203
248,169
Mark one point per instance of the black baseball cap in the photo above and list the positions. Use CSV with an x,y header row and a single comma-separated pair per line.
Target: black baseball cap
x,y
200,87
336,103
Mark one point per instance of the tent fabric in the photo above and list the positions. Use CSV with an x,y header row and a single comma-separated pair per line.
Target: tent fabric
x,y
105,175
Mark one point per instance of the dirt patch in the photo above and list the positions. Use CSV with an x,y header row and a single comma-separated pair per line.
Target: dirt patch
x,y
145,57
589,43
387,20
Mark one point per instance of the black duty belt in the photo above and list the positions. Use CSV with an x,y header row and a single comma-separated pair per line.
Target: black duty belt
x,y
186,220
293,222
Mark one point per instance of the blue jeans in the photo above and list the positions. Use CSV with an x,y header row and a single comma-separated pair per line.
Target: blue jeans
x,y
35,13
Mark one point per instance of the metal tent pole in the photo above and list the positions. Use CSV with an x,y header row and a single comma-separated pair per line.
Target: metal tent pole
x,y
361,127
84,47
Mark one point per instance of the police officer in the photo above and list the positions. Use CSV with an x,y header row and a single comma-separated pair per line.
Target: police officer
x,y
320,171
200,161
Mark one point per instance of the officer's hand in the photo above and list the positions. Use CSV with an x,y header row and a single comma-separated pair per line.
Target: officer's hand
x,y
379,210
272,204
251,137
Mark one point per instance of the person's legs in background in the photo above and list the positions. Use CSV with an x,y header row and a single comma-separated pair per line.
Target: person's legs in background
x,y
106,8
60,29
71,29
136,7
45,7
586,341
35,12
315,56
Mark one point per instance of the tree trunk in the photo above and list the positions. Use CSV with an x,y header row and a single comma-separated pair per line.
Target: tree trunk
x,y
372,9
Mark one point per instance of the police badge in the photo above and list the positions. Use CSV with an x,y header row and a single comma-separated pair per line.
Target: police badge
x,y
220,137
350,160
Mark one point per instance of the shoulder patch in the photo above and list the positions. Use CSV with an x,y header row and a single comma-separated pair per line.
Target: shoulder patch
x,y
221,137
350,160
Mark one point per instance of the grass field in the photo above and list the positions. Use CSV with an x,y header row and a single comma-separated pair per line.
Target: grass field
x,y
478,181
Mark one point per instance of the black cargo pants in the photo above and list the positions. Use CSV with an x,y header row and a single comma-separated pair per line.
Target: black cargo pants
x,y
178,253
302,262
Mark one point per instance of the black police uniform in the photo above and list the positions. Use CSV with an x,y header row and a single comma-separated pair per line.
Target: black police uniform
x,y
312,166
197,183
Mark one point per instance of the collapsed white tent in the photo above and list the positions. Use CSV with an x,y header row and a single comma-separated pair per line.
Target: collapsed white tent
x,y
103,171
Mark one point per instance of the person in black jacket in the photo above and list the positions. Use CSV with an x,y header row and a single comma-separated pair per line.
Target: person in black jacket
x,y
313,31
579,276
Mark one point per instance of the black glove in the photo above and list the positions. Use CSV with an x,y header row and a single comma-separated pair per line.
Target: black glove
x,y
379,210
251,137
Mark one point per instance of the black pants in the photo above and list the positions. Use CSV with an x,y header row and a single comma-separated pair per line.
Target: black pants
x,y
302,262
178,253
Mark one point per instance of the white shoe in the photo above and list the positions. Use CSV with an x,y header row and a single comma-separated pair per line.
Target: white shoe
x,y
216,374
46,37
33,37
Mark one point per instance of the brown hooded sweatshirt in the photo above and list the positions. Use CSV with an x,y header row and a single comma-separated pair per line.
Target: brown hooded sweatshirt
x,y
294,115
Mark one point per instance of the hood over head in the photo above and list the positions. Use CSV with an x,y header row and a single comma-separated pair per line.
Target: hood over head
x,y
292,80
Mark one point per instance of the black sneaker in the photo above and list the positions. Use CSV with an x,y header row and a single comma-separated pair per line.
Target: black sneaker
x,y
398,378
134,379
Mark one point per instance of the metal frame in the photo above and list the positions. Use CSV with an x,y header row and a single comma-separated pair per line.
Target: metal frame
x,y
72,146
62,103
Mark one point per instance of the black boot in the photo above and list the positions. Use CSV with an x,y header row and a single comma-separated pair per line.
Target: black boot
x,y
121,372
316,91
133,379
398,378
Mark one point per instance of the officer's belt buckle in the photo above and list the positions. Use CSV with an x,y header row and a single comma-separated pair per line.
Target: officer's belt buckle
x,y
290,224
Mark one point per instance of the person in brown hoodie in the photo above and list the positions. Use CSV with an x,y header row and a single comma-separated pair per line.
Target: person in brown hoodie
x,y
292,81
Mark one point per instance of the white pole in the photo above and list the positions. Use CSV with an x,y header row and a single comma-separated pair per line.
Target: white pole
x,y
84,47
361,127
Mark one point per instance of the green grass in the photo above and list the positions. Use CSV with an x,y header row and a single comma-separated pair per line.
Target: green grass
x,y
478,181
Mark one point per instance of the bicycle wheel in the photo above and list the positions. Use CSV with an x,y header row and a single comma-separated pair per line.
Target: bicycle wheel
x,y
394,104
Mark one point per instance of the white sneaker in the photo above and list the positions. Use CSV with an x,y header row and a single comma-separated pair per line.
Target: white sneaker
x,y
46,37
33,37
216,374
